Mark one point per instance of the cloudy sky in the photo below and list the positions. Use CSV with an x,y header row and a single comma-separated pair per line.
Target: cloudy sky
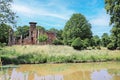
x,y
55,13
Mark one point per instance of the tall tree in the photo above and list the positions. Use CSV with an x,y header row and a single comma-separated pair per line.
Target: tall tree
x,y
113,8
105,39
6,14
22,30
41,28
76,27
97,41
4,33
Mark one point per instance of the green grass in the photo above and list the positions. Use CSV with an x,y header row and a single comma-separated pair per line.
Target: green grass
x,y
35,54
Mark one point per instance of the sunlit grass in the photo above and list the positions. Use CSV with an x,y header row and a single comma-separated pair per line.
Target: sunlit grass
x,y
56,54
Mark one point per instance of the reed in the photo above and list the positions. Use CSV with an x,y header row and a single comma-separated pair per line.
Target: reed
x,y
34,54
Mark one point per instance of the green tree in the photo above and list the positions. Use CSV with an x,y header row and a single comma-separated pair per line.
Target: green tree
x,y
6,14
105,39
22,30
41,28
97,41
113,8
76,27
57,32
4,33
78,44
42,38
53,30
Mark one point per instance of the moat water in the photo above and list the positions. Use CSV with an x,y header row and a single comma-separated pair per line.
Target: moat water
x,y
68,71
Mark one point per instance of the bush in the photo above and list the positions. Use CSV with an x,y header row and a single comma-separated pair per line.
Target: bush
x,y
42,38
78,44
98,47
111,46
57,42
2,44
93,47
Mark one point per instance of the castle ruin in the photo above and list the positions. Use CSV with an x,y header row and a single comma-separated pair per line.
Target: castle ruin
x,y
32,39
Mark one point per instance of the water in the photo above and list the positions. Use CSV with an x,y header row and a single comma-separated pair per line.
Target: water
x,y
75,71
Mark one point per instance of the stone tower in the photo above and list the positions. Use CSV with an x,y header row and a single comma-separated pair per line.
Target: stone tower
x,y
33,33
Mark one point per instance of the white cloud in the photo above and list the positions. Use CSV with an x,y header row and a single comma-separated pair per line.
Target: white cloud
x,y
101,19
61,13
21,9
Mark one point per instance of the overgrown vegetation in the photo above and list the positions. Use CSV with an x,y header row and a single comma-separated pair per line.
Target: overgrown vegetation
x,y
54,54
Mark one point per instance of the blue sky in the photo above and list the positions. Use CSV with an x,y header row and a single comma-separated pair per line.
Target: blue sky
x,y
55,13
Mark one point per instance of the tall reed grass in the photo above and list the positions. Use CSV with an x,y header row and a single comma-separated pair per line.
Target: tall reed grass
x,y
34,54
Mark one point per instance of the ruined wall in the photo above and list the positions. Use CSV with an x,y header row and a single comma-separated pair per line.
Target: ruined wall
x,y
33,36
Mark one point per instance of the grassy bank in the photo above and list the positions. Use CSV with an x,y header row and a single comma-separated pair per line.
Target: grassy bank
x,y
54,54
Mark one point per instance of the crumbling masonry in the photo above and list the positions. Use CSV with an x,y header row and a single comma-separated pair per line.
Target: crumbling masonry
x,y
32,39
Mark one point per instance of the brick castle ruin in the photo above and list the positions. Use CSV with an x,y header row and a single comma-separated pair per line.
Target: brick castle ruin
x,y
32,39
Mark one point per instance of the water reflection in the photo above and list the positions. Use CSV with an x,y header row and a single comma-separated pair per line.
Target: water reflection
x,y
24,76
101,75
86,71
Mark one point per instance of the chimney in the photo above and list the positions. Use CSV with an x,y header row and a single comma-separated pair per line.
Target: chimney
x,y
32,29
32,25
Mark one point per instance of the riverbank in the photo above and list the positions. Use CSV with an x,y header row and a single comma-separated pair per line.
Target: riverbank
x,y
54,54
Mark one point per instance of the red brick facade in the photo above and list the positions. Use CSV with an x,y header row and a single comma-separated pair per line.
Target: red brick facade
x,y
34,33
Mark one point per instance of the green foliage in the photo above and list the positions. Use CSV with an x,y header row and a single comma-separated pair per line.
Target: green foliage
x,y
53,30
86,42
4,33
76,27
105,39
13,56
113,8
6,13
3,44
57,42
41,28
57,32
78,44
96,41
115,37
111,46
22,30
98,47
42,38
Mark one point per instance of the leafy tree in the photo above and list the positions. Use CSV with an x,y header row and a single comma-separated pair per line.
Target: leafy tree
x,y
58,33
57,42
97,41
111,46
76,27
86,42
105,39
113,8
4,33
6,14
22,30
78,44
53,30
41,28
42,38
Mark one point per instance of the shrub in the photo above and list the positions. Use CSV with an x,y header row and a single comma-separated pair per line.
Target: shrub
x,y
2,44
57,42
111,46
93,47
78,44
98,47
42,38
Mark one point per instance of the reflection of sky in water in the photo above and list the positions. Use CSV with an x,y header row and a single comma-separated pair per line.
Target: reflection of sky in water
x,y
24,76
101,75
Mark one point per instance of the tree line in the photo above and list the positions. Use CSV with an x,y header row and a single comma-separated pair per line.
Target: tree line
x,y
77,30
